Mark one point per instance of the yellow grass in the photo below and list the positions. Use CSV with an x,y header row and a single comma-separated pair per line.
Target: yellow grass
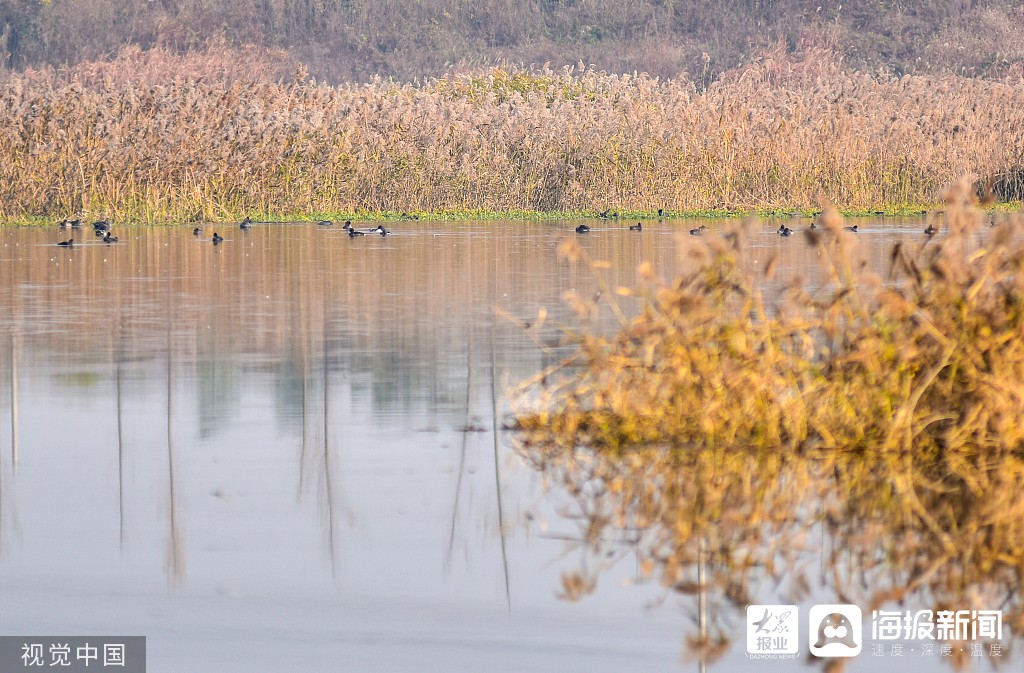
x,y
205,147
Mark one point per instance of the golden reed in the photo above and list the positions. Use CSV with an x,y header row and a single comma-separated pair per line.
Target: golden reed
x,y
140,147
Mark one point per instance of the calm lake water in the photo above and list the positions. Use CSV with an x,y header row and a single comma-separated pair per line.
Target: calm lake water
x,y
285,452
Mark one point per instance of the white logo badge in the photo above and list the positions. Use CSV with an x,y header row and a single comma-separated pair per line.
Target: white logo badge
x,y
773,629
835,630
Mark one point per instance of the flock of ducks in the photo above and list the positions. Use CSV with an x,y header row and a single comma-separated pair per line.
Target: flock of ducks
x,y
783,230
347,226
101,228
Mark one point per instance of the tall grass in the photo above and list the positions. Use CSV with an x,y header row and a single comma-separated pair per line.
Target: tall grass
x,y
872,420
768,136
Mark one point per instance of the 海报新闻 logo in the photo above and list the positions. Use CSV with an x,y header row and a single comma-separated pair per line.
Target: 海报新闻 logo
x,y
835,630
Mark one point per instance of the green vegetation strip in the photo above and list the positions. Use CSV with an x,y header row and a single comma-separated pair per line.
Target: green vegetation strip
x,y
519,215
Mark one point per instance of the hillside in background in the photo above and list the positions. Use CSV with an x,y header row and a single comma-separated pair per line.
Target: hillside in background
x,y
341,40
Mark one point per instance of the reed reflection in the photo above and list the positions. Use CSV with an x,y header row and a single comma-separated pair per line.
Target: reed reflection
x,y
286,340
873,531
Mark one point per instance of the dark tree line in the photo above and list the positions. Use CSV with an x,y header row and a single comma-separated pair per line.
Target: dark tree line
x,y
356,39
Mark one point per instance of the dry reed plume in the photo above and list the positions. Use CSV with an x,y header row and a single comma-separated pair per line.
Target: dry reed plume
x,y
876,419
770,136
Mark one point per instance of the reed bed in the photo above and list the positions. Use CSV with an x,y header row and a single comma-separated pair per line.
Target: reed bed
x,y
770,136
872,420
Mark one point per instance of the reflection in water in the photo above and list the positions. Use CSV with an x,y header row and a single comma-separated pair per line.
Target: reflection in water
x,y
119,388
463,446
497,476
284,326
175,548
877,532
14,399
296,414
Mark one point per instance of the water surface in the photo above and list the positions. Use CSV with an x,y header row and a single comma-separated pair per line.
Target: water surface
x,y
285,452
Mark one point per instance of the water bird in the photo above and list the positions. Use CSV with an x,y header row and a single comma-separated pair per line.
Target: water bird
x,y
197,231
348,225
381,230
661,211
101,226
325,223
109,239
353,232
853,228
245,224
930,230
74,224
603,214
696,232
814,225
785,231
217,238
636,227
67,244
582,229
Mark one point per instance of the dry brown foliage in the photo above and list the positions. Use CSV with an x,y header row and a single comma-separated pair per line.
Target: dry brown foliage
x,y
769,136
863,434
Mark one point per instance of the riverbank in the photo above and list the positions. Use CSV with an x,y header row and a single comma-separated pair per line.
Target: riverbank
x,y
624,217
